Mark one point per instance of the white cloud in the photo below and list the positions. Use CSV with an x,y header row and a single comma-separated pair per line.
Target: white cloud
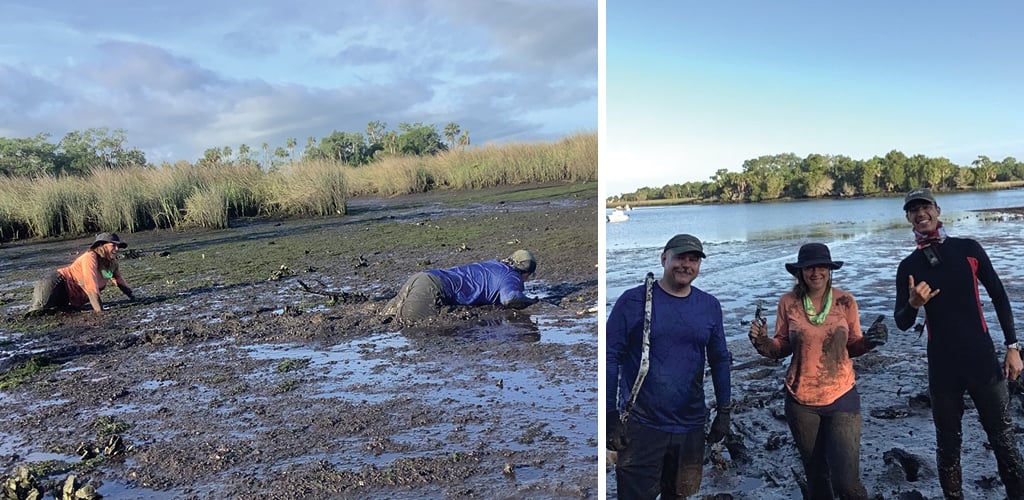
x,y
184,77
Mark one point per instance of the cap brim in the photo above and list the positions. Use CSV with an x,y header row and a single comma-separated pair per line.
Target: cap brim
x,y
906,206
687,250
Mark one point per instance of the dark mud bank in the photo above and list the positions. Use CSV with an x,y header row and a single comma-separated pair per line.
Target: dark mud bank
x,y
228,378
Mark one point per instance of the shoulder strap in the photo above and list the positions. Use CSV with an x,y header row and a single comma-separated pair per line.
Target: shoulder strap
x,y
645,353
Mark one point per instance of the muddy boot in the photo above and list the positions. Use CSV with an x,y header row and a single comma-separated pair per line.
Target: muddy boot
x,y
1008,458
950,477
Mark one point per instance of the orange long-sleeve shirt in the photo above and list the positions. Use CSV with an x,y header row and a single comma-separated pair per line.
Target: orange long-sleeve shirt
x,y
86,275
821,369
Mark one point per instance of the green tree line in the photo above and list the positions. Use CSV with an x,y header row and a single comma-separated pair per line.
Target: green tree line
x,y
79,153
211,193
787,176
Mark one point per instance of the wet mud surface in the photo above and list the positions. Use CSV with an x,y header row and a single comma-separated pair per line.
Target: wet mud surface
x,y
254,365
760,461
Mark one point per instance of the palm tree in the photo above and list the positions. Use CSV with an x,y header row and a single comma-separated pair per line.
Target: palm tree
x,y
451,131
290,143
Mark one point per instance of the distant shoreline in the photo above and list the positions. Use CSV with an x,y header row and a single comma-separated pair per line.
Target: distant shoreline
x,y
995,186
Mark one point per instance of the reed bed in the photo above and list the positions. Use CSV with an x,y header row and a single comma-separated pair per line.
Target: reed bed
x,y
207,207
120,202
311,188
393,176
210,195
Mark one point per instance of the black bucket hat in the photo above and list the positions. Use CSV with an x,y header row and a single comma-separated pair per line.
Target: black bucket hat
x,y
813,254
108,238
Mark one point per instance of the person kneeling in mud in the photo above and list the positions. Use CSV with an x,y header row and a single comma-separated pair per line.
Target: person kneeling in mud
x,y
74,286
491,282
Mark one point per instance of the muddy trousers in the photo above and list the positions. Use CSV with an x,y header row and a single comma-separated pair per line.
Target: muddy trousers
x,y
657,462
993,404
829,446
50,292
421,297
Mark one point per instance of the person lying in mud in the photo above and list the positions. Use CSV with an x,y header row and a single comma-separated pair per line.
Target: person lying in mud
x,y
492,282
820,326
72,287
942,275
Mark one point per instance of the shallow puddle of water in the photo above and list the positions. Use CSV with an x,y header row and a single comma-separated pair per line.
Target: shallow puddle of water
x,y
13,445
350,376
117,489
583,330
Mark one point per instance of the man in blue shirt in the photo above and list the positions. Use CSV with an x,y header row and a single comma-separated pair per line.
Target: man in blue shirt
x,y
492,282
661,446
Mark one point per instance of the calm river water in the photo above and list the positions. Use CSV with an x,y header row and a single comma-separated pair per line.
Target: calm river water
x,y
748,245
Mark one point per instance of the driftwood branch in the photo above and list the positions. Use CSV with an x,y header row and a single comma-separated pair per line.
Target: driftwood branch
x,y
342,297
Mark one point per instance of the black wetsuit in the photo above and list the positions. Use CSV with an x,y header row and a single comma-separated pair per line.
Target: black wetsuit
x,y
959,344
961,355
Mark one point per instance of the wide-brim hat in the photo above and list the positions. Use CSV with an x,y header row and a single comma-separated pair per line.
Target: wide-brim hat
x,y
813,254
108,238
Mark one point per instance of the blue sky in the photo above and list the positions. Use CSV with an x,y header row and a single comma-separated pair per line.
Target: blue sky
x,y
180,77
694,87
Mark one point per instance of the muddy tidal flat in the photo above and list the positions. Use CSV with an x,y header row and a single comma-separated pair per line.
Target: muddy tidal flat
x,y
254,364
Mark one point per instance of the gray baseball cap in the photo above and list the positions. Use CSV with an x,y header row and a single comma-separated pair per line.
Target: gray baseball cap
x,y
685,243
918,194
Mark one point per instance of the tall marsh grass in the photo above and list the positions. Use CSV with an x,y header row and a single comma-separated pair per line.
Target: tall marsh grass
x,y
183,194
120,199
51,206
573,159
206,207
311,188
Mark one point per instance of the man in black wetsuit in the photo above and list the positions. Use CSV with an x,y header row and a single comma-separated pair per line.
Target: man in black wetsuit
x,y
942,275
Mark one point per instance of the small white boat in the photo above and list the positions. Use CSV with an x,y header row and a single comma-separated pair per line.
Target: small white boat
x,y
617,215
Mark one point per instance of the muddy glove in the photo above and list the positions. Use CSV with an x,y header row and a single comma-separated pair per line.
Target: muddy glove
x,y
127,292
720,425
878,334
615,432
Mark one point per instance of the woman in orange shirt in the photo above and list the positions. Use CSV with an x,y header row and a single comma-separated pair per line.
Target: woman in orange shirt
x,y
819,325
74,286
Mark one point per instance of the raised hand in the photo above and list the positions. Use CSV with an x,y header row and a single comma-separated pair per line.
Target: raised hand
x,y
921,293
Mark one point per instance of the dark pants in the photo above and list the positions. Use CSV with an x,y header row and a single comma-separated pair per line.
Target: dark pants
x,y
50,292
829,446
993,403
421,297
659,462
